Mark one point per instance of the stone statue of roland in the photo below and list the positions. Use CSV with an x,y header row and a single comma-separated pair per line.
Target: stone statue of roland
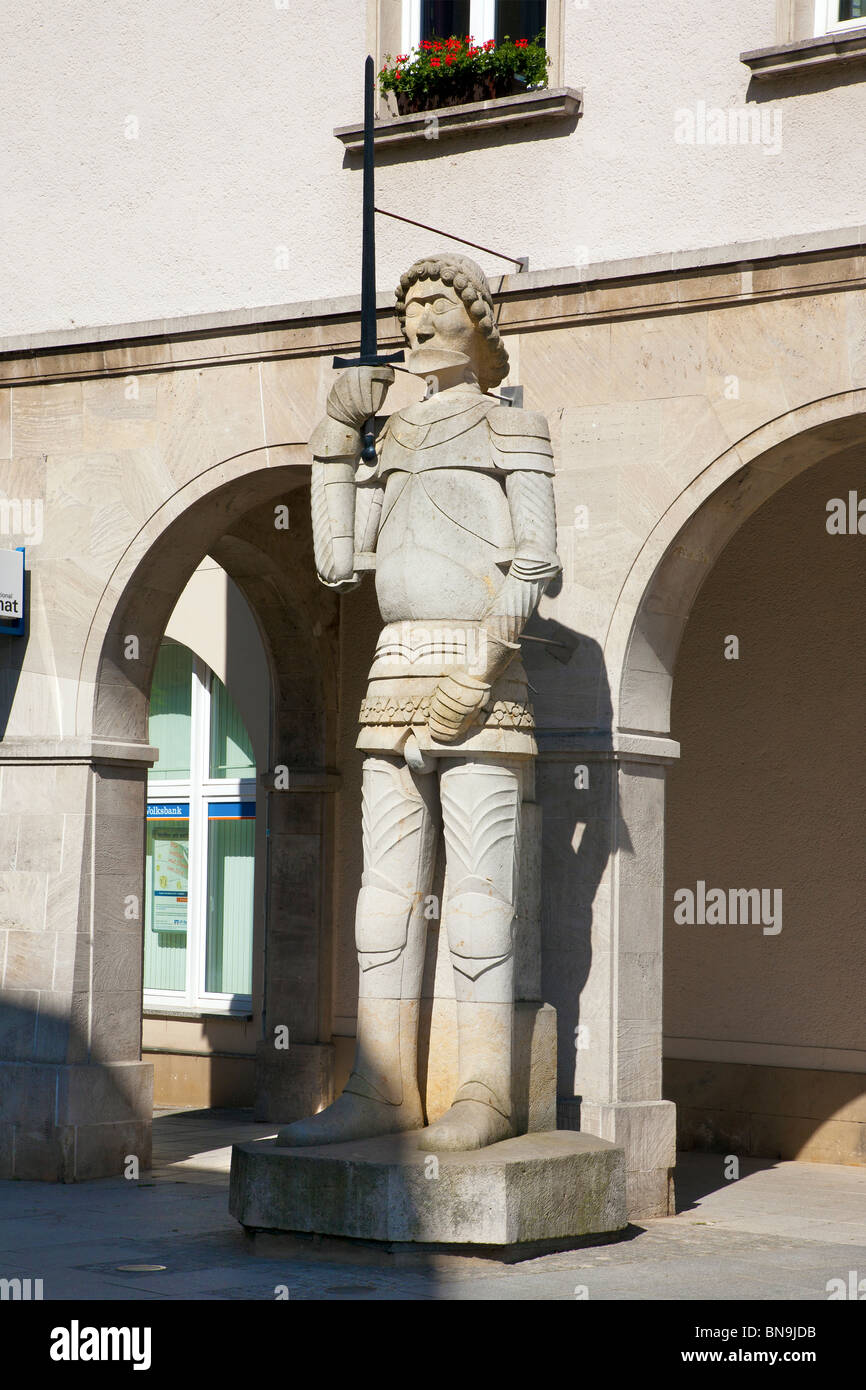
x,y
456,516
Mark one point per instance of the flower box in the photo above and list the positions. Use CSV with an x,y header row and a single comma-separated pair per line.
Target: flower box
x,y
457,72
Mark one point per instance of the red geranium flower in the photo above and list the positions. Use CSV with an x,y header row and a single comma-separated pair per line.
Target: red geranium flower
x,y
402,57
450,59
522,43
472,53
398,74
437,45
435,63
491,43
425,43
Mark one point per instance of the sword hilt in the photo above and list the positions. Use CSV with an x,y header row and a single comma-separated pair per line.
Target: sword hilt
x,y
370,359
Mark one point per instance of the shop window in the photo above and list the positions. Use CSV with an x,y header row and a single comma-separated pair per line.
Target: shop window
x,y
200,842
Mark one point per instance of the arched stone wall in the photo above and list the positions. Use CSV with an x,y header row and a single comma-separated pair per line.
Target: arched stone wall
x,y
655,601
619,1075
234,521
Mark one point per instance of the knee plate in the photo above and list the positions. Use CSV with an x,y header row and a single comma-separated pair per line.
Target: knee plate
x,y
381,925
479,931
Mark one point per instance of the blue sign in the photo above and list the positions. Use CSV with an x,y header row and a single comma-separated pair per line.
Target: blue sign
x,y
167,810
231,810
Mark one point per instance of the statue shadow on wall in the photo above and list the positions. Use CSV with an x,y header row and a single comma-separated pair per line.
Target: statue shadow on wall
x,y
566,672
575,790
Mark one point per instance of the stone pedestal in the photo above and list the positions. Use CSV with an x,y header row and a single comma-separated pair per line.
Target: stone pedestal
x,y
647,1132
544,1187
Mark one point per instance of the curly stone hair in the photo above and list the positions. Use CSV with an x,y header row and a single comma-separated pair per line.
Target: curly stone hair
x,y
470,282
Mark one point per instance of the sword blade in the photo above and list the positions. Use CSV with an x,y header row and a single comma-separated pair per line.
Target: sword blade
x,y
368,233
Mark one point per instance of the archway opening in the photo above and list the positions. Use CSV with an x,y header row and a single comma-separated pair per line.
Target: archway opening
x,y
241,691
765,956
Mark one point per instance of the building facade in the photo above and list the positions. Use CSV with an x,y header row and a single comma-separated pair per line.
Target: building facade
x,y
182,704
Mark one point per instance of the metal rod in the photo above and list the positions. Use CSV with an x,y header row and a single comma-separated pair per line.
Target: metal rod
x,y
515,260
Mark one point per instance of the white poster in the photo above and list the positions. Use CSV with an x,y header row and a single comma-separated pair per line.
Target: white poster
x,y
170,880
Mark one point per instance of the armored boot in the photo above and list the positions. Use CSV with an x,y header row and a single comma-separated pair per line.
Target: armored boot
x,y
381,1095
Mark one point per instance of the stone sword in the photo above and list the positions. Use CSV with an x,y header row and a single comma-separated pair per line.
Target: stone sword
x,y
369,355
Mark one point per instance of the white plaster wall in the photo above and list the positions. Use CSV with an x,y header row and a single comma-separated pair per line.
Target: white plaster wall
x,y
235,156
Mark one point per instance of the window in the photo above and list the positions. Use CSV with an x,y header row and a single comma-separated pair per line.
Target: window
x,y
200,842
833,16
483,19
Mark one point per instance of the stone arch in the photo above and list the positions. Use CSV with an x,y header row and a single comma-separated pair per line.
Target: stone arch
x,y
655,601
150,574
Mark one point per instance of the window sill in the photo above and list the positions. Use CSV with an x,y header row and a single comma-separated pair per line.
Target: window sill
x,y
180,1012
807,55
500,113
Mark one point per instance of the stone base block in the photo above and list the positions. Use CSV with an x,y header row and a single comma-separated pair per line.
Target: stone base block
x,y
294,1083
543,1187
63,1123
647,1131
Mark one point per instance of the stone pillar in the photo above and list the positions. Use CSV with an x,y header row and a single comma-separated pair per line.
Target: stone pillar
x,y
606,903
75,1098
296,1080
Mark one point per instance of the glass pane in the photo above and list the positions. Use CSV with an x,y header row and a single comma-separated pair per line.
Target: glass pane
x,y
166,898
230,860
231,751
519,19
170,711
444,19
852,9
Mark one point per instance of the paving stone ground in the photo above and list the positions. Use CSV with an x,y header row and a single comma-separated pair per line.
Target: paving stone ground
x,y
781,1231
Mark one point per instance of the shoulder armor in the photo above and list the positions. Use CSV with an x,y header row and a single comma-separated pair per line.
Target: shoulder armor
x,y
521,438
330,439
511,420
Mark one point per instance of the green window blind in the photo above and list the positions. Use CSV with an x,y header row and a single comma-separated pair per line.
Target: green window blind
x,y
171,711
231,750
229,950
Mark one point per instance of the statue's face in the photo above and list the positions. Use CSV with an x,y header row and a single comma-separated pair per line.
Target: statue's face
x,y
436,317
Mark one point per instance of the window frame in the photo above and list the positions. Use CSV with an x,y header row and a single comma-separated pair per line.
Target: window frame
x,y
200,790
827,19
482,22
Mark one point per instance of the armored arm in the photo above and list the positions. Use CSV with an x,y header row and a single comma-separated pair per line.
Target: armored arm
x,y
522,442
336,449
